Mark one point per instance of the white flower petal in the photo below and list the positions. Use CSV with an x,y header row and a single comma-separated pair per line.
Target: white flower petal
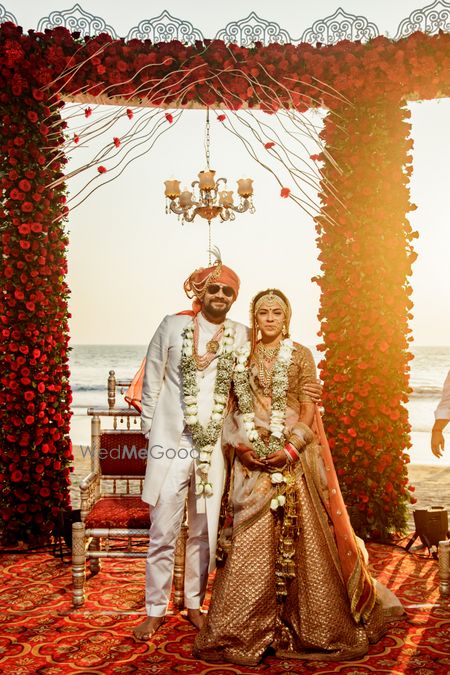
x,y
191,419
274,504
277,478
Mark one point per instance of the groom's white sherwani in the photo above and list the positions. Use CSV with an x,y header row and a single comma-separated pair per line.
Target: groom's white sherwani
x,y
170,473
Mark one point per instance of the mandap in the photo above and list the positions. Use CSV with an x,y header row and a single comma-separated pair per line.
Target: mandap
x,y
363,234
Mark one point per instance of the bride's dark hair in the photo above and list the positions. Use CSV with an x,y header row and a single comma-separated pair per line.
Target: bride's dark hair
x,y
285,304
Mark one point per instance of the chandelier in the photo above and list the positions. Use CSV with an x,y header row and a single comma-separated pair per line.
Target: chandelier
x,y
207,199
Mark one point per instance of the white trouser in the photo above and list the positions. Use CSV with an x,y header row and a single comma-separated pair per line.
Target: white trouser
x,y
165,524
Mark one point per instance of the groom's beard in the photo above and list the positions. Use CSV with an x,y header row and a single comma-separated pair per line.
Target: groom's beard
x,y
218,310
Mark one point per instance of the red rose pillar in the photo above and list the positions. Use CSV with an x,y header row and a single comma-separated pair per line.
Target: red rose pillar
x,y
35,397
366,254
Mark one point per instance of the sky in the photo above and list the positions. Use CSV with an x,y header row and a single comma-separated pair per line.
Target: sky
x,y
128,259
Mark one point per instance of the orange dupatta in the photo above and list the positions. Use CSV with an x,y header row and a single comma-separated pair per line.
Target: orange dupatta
x,y
360,585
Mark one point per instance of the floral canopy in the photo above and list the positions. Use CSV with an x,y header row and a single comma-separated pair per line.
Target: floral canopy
x,y
363,234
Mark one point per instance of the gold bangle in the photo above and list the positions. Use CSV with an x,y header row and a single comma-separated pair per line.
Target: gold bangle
x,y
296,441
301,426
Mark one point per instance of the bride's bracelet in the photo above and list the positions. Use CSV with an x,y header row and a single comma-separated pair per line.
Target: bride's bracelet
x,y
291,452
300,435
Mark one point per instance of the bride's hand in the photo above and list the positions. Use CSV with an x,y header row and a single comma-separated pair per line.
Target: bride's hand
x,y
250,459
277,460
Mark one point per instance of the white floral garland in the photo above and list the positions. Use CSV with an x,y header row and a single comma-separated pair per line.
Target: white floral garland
x,y
280,383
205,438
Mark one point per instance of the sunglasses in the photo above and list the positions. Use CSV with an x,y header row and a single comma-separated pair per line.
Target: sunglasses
x,y
212,289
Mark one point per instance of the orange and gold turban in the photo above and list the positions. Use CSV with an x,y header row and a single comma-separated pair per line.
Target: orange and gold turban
x,y
196,284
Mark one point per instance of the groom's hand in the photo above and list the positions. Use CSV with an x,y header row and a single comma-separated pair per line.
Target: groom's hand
x,y
313,390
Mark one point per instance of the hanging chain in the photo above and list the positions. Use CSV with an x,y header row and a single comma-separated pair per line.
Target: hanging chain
x,y
209,243
207,140
208,157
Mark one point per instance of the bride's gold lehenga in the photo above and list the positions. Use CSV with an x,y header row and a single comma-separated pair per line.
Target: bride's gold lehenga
x,y
332,609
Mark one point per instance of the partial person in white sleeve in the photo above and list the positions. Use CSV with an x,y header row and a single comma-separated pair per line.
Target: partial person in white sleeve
x,y
442,418
187,379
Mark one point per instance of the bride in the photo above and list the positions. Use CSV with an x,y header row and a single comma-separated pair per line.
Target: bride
x,y
293,575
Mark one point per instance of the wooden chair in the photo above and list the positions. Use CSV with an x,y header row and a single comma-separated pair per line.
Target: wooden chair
x,y
111,507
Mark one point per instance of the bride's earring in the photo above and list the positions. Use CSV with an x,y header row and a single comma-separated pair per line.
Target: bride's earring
x,y
258,332
284,330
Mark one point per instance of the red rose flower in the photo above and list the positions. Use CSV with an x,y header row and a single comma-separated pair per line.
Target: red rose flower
x,y
102,169
285,192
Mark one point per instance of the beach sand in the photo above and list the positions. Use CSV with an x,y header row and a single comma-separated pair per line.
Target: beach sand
x,y
431,482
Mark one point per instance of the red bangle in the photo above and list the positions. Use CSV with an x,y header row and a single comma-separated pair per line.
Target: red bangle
x,y
292,452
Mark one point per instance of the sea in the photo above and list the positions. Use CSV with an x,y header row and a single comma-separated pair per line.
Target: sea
x,y
90,366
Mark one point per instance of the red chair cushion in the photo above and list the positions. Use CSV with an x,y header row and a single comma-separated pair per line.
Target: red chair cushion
x,y
122,454
124,512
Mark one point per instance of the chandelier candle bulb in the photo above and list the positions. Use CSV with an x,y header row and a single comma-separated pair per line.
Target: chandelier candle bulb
x,y
245,187
226,198
172,188
207,180
186,199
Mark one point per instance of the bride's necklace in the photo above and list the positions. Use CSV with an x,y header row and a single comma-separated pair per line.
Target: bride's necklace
x,y
265,357
278,392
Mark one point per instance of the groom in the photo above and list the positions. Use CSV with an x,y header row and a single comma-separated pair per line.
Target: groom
x,y
185,390
184,396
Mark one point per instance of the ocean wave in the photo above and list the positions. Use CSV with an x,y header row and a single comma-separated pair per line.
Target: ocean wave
x,y
88,387
427,391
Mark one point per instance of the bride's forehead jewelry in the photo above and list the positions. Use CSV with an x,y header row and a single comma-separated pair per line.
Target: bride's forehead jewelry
x,y
271,299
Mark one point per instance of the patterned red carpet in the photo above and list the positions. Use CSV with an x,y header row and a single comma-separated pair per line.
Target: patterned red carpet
x,y
42,634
